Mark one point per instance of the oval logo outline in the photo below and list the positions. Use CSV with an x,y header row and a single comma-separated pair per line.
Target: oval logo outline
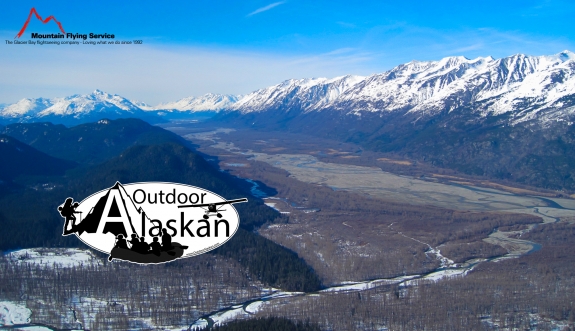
x,y
197,219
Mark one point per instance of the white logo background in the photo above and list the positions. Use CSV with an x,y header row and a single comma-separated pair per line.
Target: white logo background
x,y
147,208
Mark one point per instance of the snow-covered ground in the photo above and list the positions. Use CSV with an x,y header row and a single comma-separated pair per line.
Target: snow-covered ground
x,y
12,313
199,324
63,257
228,315
17,314
440,275
361,286
254,307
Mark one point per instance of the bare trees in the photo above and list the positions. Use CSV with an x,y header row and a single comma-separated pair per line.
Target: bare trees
x,y
119,295
534,291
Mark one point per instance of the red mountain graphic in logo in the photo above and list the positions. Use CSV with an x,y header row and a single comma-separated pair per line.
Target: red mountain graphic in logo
x,y
33,11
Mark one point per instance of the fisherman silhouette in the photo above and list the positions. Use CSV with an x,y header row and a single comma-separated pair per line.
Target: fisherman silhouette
x,y
166,240
144,246
67,211
121,242
156,247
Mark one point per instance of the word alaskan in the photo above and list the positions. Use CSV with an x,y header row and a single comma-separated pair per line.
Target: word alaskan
x,y
188,219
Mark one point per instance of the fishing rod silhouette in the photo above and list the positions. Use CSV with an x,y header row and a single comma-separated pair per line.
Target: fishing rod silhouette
x,y
213,208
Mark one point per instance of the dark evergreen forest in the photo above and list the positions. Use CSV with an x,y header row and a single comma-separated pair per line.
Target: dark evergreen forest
x,y
28,207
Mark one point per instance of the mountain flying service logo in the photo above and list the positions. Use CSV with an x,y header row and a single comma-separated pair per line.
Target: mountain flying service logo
x,y
103,38
34,12
151,222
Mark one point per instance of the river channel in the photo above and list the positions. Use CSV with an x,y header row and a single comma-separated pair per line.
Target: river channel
x,y
447,270
374,182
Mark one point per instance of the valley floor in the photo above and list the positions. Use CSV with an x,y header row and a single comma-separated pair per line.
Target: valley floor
x,y
400,249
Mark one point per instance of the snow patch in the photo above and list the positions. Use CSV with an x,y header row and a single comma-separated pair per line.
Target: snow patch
x,y
254,307
63,257
12,313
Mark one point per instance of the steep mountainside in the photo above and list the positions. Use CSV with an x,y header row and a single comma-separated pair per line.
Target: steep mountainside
x,y
508,119
29,217
298,95
89,143
525,87
21,159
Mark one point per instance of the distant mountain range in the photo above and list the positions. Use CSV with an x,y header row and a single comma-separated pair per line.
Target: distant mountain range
x,y
526,88
509,118
91,107
207,102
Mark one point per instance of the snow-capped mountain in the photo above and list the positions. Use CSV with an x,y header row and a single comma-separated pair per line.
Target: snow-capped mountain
x,y
305,94
98,104
207,102
509,119
25,107
526,87
521,87
76,106
96,101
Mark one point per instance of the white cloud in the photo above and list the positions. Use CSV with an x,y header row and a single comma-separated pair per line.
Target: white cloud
x,y
265,8
155,74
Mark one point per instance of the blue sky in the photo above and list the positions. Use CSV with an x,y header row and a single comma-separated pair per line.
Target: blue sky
x,y
194,47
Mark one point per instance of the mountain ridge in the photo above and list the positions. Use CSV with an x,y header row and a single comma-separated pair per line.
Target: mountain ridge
x,y
21,159
86,108
508,119
530,88
89,143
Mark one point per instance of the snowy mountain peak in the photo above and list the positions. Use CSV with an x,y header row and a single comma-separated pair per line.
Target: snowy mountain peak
x,y
100,104
566,55
453,61
25,107
519,84
527,87
142,105
99,95
75,106
307,94
207,102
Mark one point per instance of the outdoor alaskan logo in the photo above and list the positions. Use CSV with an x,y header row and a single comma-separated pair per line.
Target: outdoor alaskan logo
x,y
151,222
